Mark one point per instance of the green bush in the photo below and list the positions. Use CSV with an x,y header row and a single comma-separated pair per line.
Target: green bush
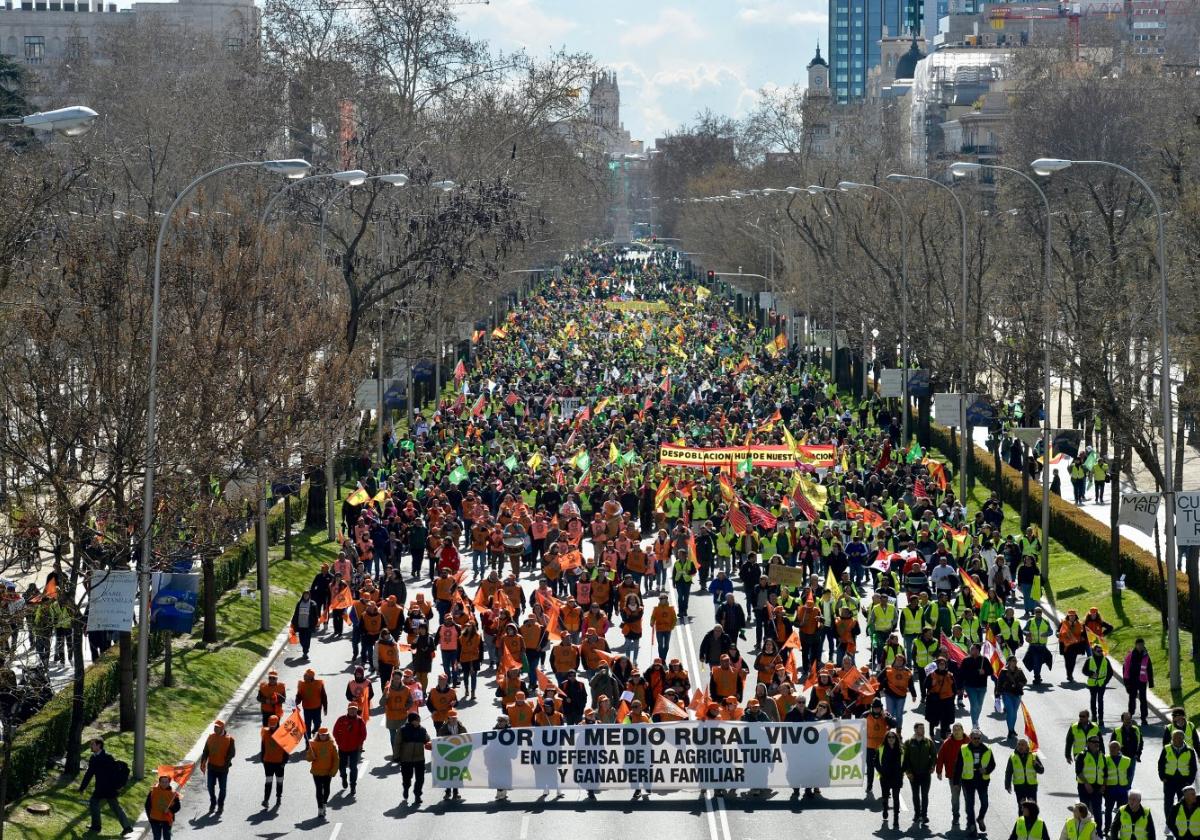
x,y
42,739
1071,527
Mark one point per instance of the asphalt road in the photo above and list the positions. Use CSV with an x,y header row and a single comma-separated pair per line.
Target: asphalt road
x,y
841,813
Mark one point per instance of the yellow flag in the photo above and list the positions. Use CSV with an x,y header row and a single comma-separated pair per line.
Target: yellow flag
x,y
600,406
789,440
845,461
702,293
535,461
832,585
358,497
614,454
816,493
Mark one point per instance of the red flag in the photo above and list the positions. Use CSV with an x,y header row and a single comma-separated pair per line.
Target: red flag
x,y
953,652
460,371
459,405
805,506
761,516
512,399
179,773
885,457
1030,732
919,490
660,495
477,409
856,511
727,491
738,520
666,384
938,473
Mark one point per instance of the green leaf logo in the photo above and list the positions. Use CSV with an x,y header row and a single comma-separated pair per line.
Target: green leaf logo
x,y
845,743
454,750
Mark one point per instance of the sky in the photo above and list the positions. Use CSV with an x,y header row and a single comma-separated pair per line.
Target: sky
x,y
673,59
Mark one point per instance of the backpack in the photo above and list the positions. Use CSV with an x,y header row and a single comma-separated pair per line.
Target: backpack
x,y
120,773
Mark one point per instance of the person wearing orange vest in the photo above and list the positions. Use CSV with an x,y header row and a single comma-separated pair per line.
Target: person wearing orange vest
x,y
441,700
564,658
323,759
162,804
273,761
219,750
878,724
312,700
519,712
898,685
1072,642
271,696
664,619
371,624
387,657
470,657
397,703
726,681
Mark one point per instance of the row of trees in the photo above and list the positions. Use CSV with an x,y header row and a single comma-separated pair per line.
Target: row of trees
x,y
262,324
841,252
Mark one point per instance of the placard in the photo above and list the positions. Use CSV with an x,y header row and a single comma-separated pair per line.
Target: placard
x,y
1140,510
110,600
1187,518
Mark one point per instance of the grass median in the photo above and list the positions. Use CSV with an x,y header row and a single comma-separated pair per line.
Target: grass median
x,y
205,679
1079,585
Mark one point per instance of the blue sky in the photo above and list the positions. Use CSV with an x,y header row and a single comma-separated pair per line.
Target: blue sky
x,y
672,59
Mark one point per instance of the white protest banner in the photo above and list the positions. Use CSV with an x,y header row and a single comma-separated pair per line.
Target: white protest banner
x,y
687,755
1187,518
110,601
947,409
891,382
1140,510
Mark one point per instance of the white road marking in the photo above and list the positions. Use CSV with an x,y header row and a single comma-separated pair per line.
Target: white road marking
x,y
708,810
525,827
337,829
724,819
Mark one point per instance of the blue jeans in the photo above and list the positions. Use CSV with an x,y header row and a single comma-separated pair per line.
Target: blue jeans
x,y
1012,705
975,697
1026,589
479,563
683,592
217,778
895,708
663,637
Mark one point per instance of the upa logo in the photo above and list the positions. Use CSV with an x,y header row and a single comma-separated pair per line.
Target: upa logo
x,y
454,754
845,745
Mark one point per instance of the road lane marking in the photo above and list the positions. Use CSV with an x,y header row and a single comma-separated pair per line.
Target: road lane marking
x,y
525,827
708,810
337,829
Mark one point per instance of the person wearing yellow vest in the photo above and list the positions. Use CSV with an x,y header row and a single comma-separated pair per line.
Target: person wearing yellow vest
x,y
313,702
162,804
274,759
1081,826
974,773
1037,633
1029,825
1078,734
1133,821
1022,771
1185,822
1091,775
219,750
1118,774
1176,769
1098,673
323,759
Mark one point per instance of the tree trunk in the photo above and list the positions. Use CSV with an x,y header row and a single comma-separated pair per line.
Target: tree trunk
x,y
209,570
4,774
168,670
125,701
1114,541
314,515
287,526
1162,576
1025,456
77,525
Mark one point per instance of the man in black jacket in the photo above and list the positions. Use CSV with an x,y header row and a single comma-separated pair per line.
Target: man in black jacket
x,y
105,770
304,620
731,617
412,740
320,590
713,645
575,697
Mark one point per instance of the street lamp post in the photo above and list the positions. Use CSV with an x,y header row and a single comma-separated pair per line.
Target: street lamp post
x,y
848,186
69,122
958,170
963,429
291,169
1046,167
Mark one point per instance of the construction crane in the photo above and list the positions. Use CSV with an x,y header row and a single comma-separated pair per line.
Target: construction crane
x,y
1000,14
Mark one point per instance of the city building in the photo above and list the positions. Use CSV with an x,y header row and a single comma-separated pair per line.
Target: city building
x,y
816,110
36,33
856,28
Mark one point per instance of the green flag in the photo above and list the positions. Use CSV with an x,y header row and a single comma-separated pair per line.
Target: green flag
x,y
1090,461
510,462
915,453
408,444
583,462
458,475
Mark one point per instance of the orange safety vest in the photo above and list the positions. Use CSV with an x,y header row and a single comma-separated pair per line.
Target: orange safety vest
x,y
877,728
161,800
563,658
388,653
571,617
443,588
469,648
218,750
272,753
531,632
519,714
397,702
663,618
440,704
324,757
372,624
898,680
274,696
941,684
310,693
725,680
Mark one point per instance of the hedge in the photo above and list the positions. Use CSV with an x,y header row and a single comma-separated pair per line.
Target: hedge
x,y
42,739
1071,527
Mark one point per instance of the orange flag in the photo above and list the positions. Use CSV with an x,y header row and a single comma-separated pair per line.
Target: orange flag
x,y
361,700
668,710
810,680
793,641
570,560
622,712
293,639
481,598
544,682
341,600
699,702
605,656
290,731
179,773
507,662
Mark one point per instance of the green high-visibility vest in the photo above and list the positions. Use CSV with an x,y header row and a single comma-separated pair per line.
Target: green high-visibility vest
x,y
973,763
1092,771
1117,772
1178,763
1037,831
1099,676
1129,828
1023,772
1187,825
1038,631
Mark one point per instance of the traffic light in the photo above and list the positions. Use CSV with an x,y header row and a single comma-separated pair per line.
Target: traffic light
x,y
712,275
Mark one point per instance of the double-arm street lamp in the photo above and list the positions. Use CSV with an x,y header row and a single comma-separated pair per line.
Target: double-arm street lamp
x,y
1046,167
293,168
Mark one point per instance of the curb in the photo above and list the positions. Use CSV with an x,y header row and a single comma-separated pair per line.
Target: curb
x,y
240,695
1154,703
